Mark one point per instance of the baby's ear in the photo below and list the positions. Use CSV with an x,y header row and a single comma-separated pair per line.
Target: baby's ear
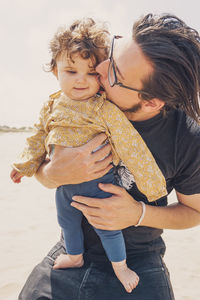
x,y
55,71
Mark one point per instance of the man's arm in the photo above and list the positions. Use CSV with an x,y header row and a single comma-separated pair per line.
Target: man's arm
x,y
121,211
76,165
181,215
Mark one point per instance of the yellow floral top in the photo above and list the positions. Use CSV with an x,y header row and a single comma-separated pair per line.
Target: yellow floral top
x,y
72,123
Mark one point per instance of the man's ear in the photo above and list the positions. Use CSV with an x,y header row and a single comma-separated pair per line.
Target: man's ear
x,y
152,105
55,71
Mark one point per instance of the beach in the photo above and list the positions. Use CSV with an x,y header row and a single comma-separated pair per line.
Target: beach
x,y
28,229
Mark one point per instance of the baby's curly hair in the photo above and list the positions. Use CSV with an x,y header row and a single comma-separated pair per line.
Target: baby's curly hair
x,y
86,37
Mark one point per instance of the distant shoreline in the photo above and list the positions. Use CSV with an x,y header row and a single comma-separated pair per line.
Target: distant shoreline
x,y
15,129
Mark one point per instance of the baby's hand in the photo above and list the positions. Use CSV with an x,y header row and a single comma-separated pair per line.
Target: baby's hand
x,y
16,176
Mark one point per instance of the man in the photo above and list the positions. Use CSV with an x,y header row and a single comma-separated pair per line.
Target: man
x,y
154,77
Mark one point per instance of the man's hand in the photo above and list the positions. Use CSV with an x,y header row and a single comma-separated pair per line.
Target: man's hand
x,y
121,211
117,212
76,165
16,176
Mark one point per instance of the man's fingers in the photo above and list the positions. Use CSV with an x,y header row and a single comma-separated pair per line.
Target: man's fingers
x,y
98,174
96,222
102,172
95,142
86,202
86,210
111,188
95,202
94,216
99,223
102,164
103,152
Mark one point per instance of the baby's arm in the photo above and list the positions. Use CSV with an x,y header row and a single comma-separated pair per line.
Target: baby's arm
x,y
16,176
34,152
134,153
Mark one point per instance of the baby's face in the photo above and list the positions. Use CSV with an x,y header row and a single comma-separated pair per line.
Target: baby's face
x,y
77,78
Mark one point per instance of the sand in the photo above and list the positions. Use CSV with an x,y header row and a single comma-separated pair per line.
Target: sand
x,y
28,229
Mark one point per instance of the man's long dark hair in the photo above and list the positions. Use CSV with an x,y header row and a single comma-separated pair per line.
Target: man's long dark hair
x,y
173,49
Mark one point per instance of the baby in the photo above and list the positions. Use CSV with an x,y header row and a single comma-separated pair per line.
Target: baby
x,y
72,117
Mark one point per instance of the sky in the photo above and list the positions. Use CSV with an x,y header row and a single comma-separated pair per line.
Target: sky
x,y
27,26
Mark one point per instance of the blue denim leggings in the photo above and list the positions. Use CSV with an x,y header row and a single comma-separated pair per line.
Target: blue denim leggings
x,y
70,219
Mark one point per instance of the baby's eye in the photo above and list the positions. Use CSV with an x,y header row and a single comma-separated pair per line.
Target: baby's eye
x,y
93,74
71,72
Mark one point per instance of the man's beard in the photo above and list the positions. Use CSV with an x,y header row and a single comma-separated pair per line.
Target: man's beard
x,y
135,108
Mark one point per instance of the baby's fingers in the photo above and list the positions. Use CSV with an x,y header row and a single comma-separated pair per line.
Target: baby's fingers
x,y
15,176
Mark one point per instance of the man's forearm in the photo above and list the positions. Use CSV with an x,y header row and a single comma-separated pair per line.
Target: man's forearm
x,y
174,216
42,176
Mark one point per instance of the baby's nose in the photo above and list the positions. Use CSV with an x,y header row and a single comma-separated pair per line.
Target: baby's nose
x,y
81,78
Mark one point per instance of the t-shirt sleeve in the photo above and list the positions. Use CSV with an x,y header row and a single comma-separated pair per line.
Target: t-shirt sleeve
x,y
187,179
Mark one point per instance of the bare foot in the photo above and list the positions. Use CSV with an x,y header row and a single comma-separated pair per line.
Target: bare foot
x,y
128,278
68,261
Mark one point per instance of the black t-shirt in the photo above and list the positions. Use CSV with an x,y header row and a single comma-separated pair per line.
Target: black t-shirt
x,y
174,141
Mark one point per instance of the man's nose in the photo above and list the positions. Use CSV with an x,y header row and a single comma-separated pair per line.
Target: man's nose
x,y
102,68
